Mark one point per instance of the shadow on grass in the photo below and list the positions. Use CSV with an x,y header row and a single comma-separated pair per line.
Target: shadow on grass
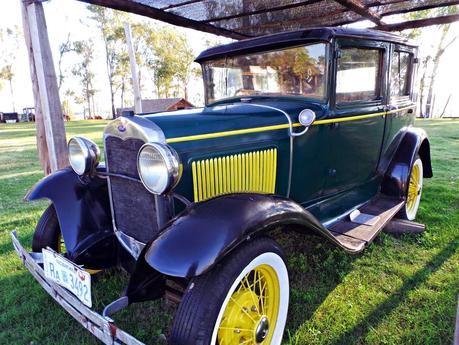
x,y
386,307
316,268
31,316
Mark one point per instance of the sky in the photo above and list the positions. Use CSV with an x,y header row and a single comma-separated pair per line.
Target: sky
x,y
70,16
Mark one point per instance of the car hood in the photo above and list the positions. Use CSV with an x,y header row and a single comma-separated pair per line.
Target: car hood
x,y
178,125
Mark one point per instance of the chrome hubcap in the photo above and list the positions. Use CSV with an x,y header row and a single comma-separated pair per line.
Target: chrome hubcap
x,y
262,330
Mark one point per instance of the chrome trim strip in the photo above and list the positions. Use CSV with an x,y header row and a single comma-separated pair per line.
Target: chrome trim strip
x,y
291,135
343,215
130,243
134,127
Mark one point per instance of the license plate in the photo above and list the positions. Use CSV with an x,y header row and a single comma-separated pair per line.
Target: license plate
x,y
67,274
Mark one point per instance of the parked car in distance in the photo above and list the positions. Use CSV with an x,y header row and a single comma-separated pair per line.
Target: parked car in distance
x,y
9,117
309,131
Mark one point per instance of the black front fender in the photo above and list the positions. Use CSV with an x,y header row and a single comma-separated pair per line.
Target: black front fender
x,y
205,232
396,177
83,210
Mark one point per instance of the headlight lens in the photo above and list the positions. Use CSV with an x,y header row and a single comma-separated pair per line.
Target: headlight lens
x,y
159,167
84,155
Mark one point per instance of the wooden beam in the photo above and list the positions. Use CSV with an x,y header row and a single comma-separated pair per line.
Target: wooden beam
x,y
42,147
53,119
167,17
180,4
416,7
419,23
360,8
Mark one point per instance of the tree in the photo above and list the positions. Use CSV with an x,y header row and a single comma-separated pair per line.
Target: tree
x,y
170,60
64,48
83,69
110,23
431,61
9,38
6,73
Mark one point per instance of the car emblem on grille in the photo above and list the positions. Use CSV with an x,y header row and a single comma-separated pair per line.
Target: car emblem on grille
x,y
121,128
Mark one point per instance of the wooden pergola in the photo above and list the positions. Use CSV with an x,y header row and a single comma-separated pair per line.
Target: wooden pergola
x,y
237,19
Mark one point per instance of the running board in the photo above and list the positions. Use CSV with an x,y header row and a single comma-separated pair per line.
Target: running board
x,y
354,235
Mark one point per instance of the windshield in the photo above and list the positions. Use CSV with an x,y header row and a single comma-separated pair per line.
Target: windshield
x,y
299,71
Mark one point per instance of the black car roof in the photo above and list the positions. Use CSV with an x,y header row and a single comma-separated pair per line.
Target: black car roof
x,y
286,39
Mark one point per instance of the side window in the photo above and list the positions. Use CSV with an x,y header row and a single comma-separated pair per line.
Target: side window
x,y
358,76
400,74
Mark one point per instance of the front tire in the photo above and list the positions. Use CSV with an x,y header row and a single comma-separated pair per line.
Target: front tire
x,y
414,191
48,232
243,299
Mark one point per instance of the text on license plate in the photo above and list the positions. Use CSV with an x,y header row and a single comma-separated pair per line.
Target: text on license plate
x,y
67,274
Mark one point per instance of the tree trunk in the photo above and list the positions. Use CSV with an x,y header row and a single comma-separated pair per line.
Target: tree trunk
x,y
93,106
122,92
436,61
422,85
112,94
88,101
12,94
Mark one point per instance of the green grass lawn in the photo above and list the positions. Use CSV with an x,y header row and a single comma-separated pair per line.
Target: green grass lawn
x,y
401,290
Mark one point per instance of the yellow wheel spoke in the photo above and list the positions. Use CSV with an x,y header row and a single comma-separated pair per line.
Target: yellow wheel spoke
x,y
236,329
243,309
255,301
251,295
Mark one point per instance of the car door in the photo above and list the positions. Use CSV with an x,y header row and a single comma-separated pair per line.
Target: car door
x,y
359,104
401,99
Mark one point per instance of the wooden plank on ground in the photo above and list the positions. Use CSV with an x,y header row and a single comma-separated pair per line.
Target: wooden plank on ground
x,y
400,226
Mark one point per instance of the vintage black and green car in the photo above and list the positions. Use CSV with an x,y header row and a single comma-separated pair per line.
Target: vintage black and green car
x,y
309,131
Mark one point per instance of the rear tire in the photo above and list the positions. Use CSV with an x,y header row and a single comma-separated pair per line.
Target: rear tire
x,y
230,304
47,232
414,191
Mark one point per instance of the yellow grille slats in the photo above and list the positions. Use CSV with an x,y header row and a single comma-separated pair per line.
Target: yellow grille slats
x,y
245,172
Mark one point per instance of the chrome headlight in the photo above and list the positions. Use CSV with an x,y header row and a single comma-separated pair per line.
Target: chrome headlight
x,y
159,167
84,155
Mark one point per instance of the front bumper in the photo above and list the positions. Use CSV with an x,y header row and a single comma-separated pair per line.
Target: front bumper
x,y
101,327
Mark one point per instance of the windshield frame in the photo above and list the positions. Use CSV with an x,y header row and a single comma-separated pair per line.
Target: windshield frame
x,y
327,74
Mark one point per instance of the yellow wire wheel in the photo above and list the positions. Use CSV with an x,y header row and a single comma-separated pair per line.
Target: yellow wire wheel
x,y
255,309
252,309
413,196
242,300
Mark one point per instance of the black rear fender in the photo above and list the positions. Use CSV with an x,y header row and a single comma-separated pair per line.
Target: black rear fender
x,y
205,232
396,177
83,210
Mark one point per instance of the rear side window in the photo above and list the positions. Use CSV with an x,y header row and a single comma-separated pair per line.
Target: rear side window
x,y
400,74
358,76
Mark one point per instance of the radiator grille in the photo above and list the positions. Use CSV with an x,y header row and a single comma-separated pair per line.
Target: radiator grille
x,y
133,206
246,172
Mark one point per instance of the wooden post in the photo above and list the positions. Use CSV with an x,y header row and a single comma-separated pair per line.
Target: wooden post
x,y
41,135
134,70
45,76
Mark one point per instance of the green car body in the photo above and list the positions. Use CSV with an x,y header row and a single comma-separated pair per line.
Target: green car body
x,y
186,191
